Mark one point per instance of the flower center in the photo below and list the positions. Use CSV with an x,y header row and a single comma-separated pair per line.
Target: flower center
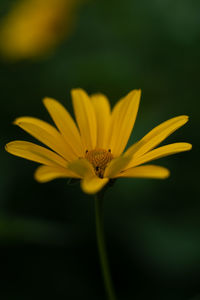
x,y
99,158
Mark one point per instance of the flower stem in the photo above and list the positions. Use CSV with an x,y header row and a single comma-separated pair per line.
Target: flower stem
x,y
102,249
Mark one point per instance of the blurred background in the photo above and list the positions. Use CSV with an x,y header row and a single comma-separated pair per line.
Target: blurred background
x,y
47,231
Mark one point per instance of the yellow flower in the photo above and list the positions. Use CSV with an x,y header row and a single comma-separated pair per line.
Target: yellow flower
x,y
93,150
34,27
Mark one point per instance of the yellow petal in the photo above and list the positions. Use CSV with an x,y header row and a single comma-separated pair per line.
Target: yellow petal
x,y
122,121
35,153
149,171
66,125
81,167
156,136
48,173
160,152
85,117
116,165
47,134
92,185
102,110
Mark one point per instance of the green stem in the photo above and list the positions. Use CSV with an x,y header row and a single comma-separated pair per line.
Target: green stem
x,y
102,248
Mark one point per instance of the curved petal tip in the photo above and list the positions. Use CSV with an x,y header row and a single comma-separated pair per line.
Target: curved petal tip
x,y
92,185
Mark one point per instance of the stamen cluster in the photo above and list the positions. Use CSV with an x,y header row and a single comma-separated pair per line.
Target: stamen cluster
x,y
99,158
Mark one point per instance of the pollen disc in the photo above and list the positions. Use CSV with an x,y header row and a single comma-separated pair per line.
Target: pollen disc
x,y
99,158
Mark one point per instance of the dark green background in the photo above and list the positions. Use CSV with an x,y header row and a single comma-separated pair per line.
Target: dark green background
x,y
47,231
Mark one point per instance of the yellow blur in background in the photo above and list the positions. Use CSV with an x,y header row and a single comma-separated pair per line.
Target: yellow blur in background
x,y
33,28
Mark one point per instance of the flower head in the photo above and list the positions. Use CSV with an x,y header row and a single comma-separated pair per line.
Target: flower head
x,y
92,149
34,27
